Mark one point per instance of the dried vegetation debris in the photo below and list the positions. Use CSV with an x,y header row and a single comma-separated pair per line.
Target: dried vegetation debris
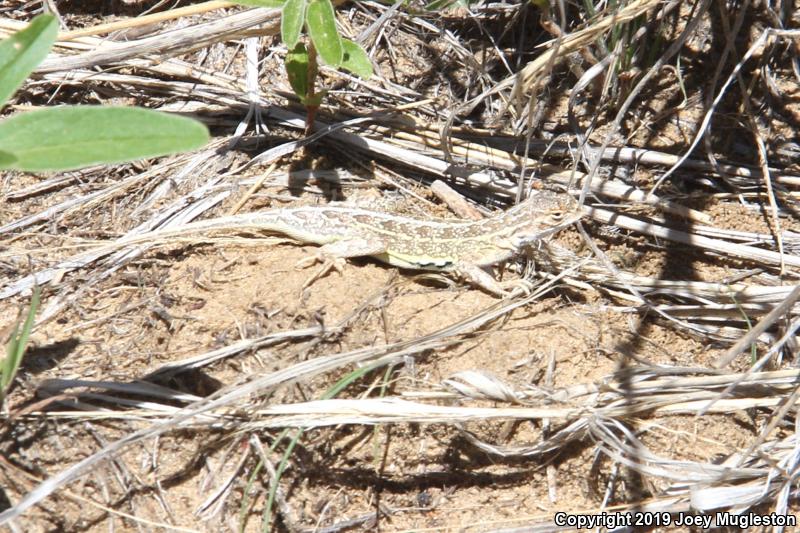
x,y
455,410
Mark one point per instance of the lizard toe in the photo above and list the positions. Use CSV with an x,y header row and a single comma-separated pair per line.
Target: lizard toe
x,y
328,264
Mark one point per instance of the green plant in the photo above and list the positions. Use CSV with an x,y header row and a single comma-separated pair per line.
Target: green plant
x,y
69,137
639,42
333,392
324,41
447,5
15,347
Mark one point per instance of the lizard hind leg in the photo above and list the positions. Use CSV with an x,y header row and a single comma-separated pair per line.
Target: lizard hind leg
x,y
333,255
478,277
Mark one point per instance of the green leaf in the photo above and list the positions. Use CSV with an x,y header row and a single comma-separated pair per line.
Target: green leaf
x,y
6,159
321,24
10,361
294,12
316,100
260,3
446,5
65,138
15,348
23,51
356,59
297,70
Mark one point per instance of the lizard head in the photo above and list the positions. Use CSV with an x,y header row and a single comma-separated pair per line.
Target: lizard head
x,y
543,214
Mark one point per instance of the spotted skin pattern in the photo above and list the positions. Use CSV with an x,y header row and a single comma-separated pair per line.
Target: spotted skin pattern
x,y
462,247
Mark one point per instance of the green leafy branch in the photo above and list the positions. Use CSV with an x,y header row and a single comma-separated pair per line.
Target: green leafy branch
x,y
324,41
70,137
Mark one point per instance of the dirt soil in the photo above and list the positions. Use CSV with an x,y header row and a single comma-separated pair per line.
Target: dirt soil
x,y
174,303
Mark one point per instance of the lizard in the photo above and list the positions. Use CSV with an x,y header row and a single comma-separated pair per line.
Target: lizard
x,y
464,248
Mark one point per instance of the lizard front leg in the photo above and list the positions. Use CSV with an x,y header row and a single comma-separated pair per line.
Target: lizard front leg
x,y
478,277
333,255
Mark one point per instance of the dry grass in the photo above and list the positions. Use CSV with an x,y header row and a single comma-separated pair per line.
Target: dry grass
x,y
186,381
